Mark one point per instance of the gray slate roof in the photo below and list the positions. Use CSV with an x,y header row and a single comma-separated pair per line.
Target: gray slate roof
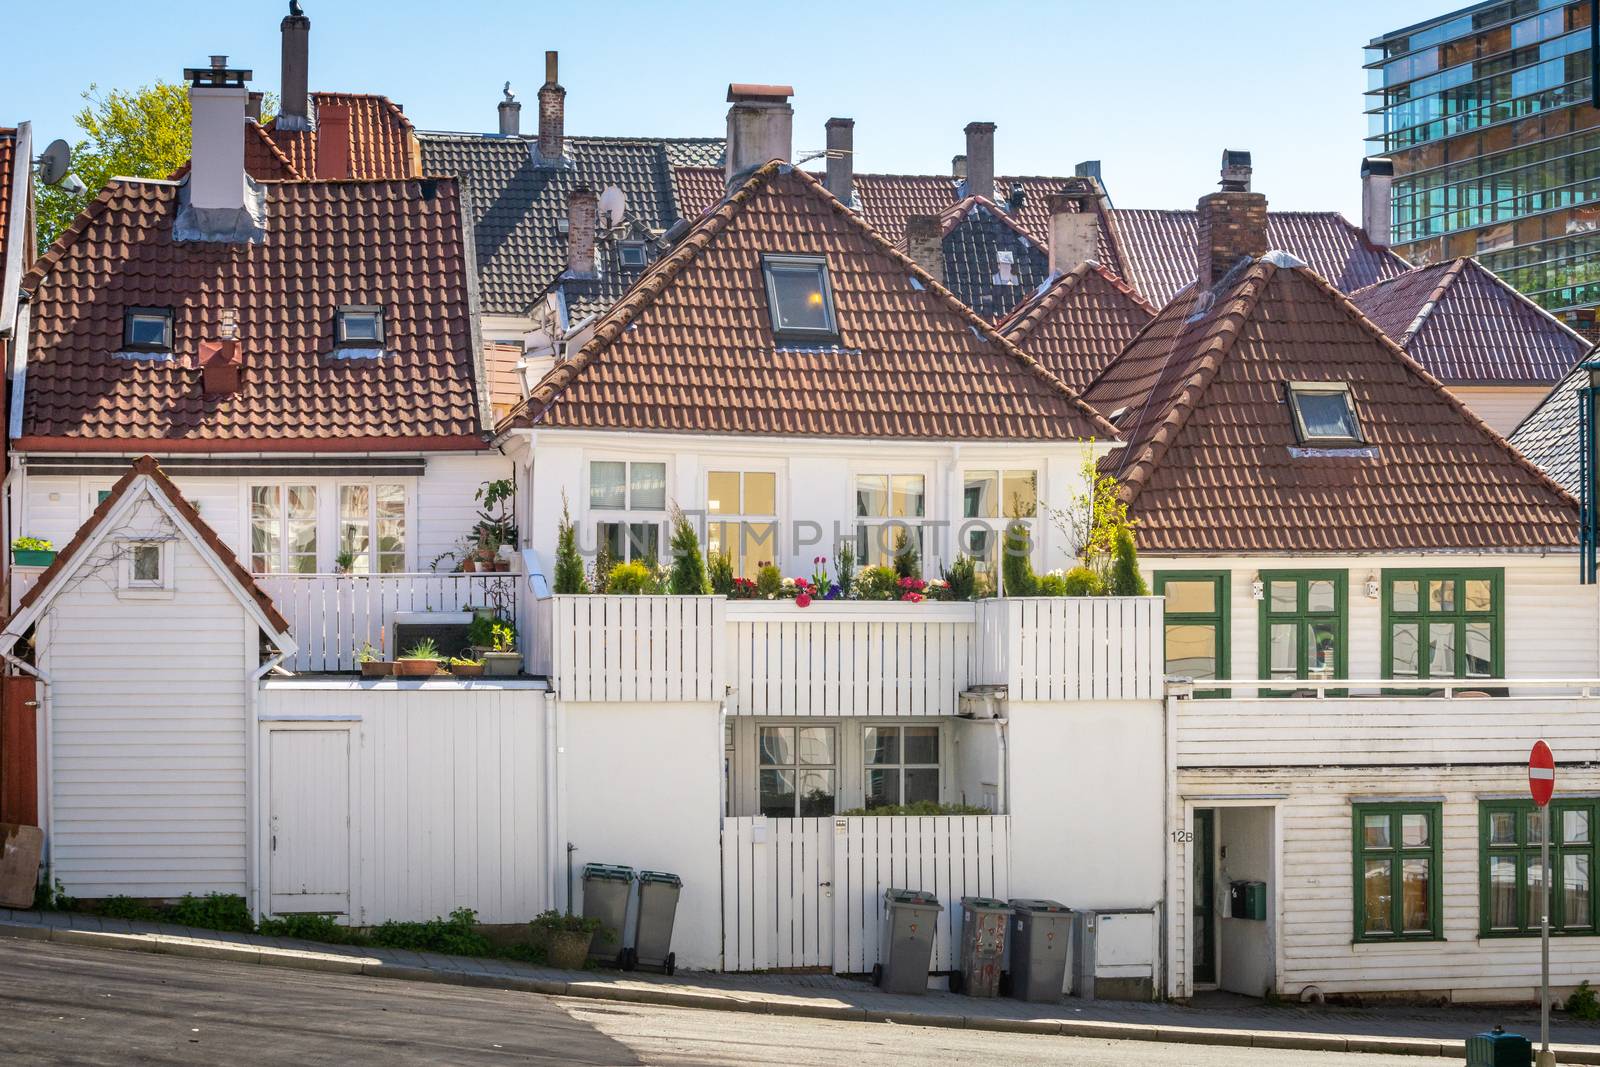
x,y
971,262
517,206
1549,435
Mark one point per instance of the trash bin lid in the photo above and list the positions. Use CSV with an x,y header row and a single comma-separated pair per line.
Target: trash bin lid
x,y
984,904
660,876
911,896
1024,904
608,872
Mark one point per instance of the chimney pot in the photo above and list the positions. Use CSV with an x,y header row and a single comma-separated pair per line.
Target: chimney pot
x,y
925,244
552,114
293,106
1236,171
958,168
980,159
1377,182
1074,226
510,114
841,159
583,211
760,127
252,107
333,141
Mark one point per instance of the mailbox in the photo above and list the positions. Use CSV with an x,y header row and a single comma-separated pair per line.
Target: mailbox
x,y
1247,900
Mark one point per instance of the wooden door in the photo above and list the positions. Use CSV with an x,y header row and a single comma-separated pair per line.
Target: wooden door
x,y
19,749
308,821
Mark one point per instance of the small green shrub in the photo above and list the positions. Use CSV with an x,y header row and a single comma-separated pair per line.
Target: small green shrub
x,y
322,928
1051,584
878,583
907,560
1583,1004
921,807
1081,581
121,907
456,935
688,569
556,922
630,579
719,568
214,911
423,649
962,574
50,895
569,576
1125,577
1016,564
844,562
769,581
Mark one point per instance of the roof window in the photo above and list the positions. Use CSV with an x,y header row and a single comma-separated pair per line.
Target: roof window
x,y
1324,414
358,326
799,297
147,330
631,254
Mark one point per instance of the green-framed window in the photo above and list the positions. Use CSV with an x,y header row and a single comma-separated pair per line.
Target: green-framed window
x,y
1444,623
1304,624
1397,872
1196,624
1511,878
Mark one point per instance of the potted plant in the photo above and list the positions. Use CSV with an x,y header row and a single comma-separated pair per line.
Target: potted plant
x,y
344,562
419,661
502,660
566,938
463,667
32,552
373,665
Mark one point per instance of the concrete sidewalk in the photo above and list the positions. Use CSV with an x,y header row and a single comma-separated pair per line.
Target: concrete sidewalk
x,y
1220,1020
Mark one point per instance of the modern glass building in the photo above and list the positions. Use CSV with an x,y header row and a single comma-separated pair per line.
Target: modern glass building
x,y
1486,115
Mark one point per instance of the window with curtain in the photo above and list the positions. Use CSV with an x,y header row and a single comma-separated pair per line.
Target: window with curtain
x,y
629,502
1442,623
1303,624
372,527
1512,880
888,505
742,518
990,499
283,529
1397,872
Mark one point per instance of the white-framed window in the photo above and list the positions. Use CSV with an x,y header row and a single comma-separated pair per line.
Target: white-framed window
x,y
742,518
886,506
359,326
798,769
145,568
283,528
902,765
989,500
628,502
372,527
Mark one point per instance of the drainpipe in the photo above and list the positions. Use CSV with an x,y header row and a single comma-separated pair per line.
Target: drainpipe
x,y
252,752
49,753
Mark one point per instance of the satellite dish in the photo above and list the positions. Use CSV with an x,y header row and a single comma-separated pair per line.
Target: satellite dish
x,y
613,205
54,162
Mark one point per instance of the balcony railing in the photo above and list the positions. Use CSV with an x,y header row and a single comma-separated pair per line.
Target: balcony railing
x,y
333,615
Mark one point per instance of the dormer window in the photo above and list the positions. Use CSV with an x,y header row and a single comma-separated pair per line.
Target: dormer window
x,y
359,326
631,254
1324,414
147,330
800,298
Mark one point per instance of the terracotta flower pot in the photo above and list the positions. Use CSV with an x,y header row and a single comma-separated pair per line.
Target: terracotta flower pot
x,y
468,566
376,668
467,670
568,949
415,668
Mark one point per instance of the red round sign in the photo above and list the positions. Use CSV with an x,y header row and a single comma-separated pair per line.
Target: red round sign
x,y
1541,773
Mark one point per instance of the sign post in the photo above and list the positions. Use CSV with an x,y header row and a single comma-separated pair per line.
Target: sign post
x,y
1542,784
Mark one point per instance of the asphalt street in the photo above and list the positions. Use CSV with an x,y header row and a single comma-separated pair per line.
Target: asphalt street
x,y
66,1004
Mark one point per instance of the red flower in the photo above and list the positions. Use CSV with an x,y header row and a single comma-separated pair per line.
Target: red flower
x,y
803,600
913,598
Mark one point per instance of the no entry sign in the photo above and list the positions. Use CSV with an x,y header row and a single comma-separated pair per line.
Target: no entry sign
x,y
1541,773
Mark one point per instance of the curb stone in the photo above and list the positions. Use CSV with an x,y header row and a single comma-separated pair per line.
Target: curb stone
x,y
308,960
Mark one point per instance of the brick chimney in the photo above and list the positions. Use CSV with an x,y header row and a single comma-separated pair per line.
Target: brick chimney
x,y
925,244
583,212
980,159
841,159
1232,223
1074,225
552,114
217,98
333,141
293,105
1377,180
510,114
760,128
220,367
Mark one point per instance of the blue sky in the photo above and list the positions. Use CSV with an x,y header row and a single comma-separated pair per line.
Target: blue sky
x,y
1153,88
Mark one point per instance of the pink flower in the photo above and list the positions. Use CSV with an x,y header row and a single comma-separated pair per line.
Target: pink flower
x,y
913,598
803,600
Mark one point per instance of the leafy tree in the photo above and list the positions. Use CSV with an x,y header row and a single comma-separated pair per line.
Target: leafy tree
x,y
135,133
688,568
1095,519
569,564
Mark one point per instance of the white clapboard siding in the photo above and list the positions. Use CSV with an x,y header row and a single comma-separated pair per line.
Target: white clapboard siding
x,y
637,648
1383,730
848,659
333,615
1072,648
1315,904
447,795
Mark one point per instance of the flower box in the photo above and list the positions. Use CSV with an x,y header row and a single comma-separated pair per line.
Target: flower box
x,y
33,557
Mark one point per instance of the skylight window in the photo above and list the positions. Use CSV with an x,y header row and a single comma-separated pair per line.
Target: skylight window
x,y
1324,414
359,325
147,330
631,253
799,297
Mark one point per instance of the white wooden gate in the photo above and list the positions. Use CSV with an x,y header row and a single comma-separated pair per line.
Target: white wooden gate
x,y
802,893
308,821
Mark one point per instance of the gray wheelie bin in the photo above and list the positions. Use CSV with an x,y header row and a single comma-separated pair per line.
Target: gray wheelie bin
x,y
606,889
658,906
1040,949
910,918
982,948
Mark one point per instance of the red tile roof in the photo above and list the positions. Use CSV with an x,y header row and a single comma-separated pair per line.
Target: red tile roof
x,y
697,189
399,244
1458,319
147,466
8,147
1078,323
383,143
1213,465
690,348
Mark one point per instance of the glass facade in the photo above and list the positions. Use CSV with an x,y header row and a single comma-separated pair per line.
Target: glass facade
x,y
1486,115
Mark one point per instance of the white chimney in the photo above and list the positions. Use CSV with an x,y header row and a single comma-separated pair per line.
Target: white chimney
x,y
1377,181
217,98
760,128
1074,225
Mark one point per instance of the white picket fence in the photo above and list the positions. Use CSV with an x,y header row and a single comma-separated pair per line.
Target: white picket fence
x,y
806,893
332,615
1072,648
848,659
633,648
